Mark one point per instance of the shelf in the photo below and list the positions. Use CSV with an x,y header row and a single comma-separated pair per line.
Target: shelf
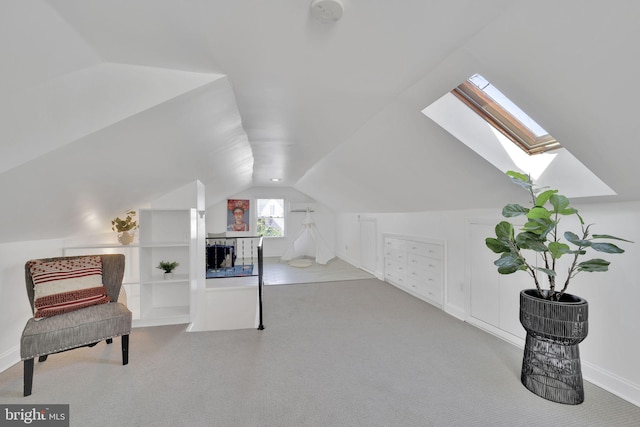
x,y
102,246
178,278
164,312
163,316
165,245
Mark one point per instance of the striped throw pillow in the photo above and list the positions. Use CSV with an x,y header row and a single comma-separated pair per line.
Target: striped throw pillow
x,y
62,286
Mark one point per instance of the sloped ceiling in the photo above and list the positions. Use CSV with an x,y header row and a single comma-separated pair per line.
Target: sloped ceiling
x,y
109,104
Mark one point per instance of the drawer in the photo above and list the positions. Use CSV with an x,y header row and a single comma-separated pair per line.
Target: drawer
x,y
396,277
417,285
430,250
395,267
428,278
419,263
431,290
398,257
425,276
392,245
396,254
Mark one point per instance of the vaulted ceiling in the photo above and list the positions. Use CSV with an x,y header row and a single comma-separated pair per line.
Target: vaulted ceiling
x,y
108,104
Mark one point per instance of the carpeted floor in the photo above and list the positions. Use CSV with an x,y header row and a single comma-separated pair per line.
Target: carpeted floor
x,y
350,353
278,272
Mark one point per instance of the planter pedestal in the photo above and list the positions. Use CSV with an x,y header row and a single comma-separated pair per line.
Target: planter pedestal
x,y
551,363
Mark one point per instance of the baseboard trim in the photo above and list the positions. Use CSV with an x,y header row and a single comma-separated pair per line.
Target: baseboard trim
x,y
454,311
377,274
348,260
504,335
9,358
611,382
604,379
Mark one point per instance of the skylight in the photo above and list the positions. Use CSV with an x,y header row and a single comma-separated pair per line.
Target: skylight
x,y
482,118
498,110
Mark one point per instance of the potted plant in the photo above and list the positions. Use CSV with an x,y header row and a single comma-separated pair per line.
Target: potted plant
x,y
555,321
168,267
125,227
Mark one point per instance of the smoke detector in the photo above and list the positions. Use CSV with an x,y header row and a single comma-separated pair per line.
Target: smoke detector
x,y
327,10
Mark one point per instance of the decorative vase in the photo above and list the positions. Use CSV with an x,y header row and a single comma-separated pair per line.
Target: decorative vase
x,y
126,237
551,362
168,276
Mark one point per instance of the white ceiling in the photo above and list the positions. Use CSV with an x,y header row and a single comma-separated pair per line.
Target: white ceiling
x,y
108,104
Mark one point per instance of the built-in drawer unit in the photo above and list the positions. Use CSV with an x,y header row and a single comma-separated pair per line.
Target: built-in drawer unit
x,y
416,265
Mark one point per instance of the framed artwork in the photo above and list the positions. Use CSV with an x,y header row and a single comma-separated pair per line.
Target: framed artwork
x,y
238,215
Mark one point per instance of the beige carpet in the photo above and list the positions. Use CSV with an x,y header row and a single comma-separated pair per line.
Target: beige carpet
x,y
278,272
351,353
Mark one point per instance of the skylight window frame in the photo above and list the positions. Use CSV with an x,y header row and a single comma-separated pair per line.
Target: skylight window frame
x,y
502,120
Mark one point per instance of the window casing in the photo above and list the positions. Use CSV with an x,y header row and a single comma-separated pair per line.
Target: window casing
x,y
270,217
501,114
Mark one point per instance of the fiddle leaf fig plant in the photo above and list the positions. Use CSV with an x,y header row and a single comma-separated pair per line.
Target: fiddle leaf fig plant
x,y
541,235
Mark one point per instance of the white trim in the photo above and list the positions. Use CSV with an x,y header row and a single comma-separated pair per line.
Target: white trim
x,y
454,311
9,358
611,382
500,333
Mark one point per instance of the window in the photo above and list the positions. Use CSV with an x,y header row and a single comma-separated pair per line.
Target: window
x,y
477,127
494,107
270,214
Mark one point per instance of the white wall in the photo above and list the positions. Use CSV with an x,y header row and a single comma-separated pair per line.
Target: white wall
x,y
14,303
609,354
448,226
216,217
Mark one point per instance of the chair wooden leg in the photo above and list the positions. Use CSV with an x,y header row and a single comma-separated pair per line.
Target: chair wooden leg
x,y
109,340
125,349
42,358
28,376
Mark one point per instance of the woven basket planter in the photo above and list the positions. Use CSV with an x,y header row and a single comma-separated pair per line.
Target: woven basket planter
x,y
551,362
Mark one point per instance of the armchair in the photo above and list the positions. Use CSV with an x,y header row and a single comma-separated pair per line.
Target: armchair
x,y
66,326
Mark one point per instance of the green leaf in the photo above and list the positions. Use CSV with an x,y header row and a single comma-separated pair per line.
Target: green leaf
x,y
546,271
558,249
607,236
520,179
532,241
497,246
540,226
573,238
593,265
504,231
538,212
544,197
568,211
514,209
509,263
517,176
561,205
609,248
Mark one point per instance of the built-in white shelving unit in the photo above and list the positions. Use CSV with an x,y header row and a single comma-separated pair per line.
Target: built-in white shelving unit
x,y
164,235
416,265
